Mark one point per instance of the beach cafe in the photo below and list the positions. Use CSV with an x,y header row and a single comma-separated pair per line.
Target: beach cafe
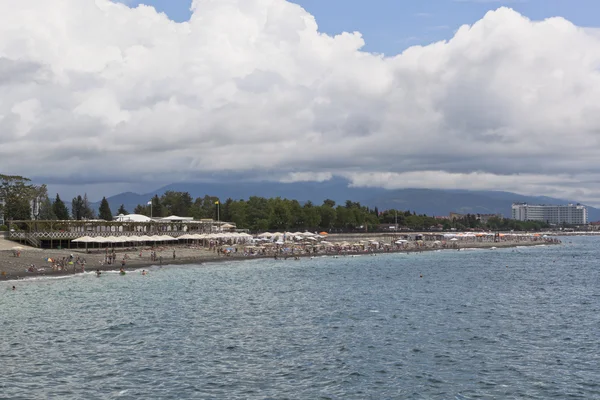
x,y
126,228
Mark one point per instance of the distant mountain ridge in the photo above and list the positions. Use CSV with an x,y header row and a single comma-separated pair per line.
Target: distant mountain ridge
x,y
438,202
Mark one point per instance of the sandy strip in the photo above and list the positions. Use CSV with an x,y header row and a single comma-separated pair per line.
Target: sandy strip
x,y
12,267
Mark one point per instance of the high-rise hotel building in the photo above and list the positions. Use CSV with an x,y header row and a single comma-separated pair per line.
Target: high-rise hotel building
x,y
571,214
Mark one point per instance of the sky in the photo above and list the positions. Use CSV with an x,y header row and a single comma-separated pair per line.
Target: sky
x,y
104,97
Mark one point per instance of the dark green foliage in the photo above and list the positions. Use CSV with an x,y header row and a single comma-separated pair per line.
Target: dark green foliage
x,y
104,210
60,209
175,203
142,210
80,208
18,195
156,210
122,210
46,210
277,214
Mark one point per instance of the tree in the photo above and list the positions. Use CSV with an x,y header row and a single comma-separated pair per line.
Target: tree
x,y
311,216
46,209
60,209
86,209
142,210
104,210
122,210
258,213
177,203
329,203
156,209
76,205
17,195
80,208
280,216
328,215
238,213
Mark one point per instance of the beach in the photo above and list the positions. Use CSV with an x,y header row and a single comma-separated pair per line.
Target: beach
x,y
24,262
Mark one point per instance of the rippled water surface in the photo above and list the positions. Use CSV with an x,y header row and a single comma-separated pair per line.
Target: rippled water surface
x,y
507,324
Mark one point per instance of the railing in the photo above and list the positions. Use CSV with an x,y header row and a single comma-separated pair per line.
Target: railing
x,y
20,235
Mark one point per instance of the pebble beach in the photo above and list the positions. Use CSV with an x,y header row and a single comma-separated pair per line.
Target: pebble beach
x,y
32,262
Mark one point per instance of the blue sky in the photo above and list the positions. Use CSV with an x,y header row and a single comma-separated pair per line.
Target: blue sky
x,y
390,26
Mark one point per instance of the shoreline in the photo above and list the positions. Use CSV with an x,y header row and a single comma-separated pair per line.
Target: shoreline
x,y
203,256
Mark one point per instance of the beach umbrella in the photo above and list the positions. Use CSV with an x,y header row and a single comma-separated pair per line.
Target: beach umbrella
x,y
323,233
84,239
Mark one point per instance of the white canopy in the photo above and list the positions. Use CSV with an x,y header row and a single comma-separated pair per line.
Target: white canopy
x,y
265,235
84,239
176,218
132,218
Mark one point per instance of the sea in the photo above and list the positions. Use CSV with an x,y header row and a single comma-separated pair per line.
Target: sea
x,y
516,323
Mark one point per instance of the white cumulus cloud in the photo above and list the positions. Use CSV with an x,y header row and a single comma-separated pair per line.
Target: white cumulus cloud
x,y
92,91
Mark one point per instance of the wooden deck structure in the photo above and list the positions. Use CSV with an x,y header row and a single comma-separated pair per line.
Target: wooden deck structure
x,y
49,234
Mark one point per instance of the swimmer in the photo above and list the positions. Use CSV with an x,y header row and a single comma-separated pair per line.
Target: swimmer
x,y
122,271
144,272
98,273
14,288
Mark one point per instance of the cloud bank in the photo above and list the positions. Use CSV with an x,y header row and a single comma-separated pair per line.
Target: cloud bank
x,y
93,91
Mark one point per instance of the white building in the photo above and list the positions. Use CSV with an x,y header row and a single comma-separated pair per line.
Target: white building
x,y
570,214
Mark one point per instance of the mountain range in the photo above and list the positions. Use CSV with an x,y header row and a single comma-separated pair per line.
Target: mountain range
x,y
436,202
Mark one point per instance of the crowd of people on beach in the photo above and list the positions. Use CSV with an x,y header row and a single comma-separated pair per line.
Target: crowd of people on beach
x,y
199,250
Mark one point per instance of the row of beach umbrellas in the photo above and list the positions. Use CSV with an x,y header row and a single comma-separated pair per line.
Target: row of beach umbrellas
x,y
159,238
123,239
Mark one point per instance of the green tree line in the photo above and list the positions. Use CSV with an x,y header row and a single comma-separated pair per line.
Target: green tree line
x,y
263,214
255,213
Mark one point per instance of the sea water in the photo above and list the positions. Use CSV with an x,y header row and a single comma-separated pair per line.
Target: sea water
x,y
505,323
